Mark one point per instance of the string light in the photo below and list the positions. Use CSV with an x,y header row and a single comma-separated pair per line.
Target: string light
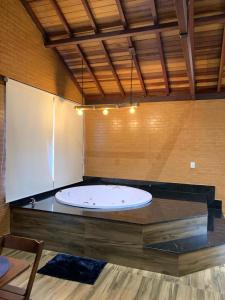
x,y
132,109
105,112
80,112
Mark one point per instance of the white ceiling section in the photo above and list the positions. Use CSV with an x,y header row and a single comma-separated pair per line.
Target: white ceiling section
x,y
36,152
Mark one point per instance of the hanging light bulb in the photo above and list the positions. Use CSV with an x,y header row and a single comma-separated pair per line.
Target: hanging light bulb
x,y
132,109
105,111
80,112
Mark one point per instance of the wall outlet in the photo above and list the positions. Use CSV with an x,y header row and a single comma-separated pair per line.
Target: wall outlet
x,y
192,165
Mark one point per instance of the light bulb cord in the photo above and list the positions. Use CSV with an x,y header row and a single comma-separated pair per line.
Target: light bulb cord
x,y
131,79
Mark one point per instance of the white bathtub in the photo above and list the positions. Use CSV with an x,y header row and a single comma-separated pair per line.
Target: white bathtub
x,y
104,196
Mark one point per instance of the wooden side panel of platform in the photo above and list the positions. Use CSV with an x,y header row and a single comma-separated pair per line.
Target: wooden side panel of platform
x,y
179,229
115,242
201,260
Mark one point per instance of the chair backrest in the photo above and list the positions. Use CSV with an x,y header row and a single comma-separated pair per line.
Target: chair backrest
x,y
28,245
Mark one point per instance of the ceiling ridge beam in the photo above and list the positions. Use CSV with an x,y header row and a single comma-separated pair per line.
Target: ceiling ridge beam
x,y
132,46
77,47
160,47
103,46
222,59
185,18
31,13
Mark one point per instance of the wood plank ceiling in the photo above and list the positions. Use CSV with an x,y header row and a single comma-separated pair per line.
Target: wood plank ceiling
x,y
177,46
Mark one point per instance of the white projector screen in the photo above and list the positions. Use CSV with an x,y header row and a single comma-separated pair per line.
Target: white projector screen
x,y
68,136
29,148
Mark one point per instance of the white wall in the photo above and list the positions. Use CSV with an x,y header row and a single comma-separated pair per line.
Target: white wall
x,y
44,142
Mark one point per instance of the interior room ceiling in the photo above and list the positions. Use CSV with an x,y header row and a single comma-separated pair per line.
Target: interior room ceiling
x,y
177,46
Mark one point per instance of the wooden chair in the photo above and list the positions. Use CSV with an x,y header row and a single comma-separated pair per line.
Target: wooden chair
x,y
10,292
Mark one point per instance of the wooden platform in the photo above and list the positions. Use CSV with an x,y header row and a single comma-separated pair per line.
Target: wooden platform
x,y
119,242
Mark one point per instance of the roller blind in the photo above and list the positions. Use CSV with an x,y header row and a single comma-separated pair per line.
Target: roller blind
x,y
68,140
29,141
44,142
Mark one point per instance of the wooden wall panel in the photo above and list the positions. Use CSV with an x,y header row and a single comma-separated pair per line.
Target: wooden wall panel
x,y
158,143
23,56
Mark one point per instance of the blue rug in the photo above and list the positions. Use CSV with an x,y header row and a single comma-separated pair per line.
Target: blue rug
x,y
73,268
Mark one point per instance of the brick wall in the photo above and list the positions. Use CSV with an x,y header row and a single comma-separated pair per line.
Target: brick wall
x,y
24,58
158,143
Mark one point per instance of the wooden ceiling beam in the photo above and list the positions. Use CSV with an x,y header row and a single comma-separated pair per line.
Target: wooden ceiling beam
x,y
186,29
61,16
217,19
178,96
29,10
102,36
93,77
103,46
222,60
132,46
160,46
77,46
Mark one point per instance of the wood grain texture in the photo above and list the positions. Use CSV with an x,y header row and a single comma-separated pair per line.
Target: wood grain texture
x,y
116,242
118,282
24,58
174,230
163,63
158,143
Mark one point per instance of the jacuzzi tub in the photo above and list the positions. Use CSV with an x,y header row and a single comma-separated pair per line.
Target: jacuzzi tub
x,y
104,196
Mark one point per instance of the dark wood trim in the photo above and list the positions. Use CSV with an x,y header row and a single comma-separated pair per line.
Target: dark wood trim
x,y
103,46
132,46
61,16
93,77
183,13
116,98
220,19
77,46
110,63
90,15
222,59
160,47
102,36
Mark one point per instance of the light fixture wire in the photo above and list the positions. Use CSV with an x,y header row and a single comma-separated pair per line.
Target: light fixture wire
x,y
131,79
82,79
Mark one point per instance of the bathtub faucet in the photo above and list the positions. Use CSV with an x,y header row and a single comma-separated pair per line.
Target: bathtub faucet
x,y
33,201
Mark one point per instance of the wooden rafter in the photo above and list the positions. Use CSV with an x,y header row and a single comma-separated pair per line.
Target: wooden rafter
x,y
77,46
34,19
61,16
103,46
217,19
160,46
222,60
132,46
186,29
45,37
